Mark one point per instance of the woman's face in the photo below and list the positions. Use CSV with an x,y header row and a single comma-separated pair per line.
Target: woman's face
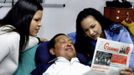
x,y
36,23
91,27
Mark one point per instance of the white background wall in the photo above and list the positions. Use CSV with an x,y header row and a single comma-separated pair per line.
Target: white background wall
x,y
62,20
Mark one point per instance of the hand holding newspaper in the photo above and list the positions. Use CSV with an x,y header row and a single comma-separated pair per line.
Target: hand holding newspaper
x,y
111,54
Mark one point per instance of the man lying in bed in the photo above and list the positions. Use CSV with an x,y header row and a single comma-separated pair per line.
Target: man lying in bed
x,y
64,60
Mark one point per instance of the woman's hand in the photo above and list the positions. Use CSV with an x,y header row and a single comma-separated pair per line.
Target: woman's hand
x,y
41,39
126,71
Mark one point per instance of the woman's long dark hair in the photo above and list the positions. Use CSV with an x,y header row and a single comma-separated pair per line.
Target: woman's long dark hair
x,y
20,17
83,44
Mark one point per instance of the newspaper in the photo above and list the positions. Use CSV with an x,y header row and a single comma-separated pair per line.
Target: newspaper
x,y
111,54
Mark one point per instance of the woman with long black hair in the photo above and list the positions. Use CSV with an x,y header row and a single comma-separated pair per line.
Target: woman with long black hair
x,y
18,30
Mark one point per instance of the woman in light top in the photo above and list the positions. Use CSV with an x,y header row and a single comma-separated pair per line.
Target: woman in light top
x,y
18,30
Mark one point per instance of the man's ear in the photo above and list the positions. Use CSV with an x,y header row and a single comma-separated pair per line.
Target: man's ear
x,y
52,51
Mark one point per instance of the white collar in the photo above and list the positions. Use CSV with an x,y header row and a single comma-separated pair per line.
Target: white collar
x,y
62,59
6,28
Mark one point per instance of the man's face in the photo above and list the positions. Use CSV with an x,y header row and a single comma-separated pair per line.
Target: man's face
x,y
64,47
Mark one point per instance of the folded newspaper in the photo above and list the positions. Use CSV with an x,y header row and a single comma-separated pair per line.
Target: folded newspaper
x,y
111,54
